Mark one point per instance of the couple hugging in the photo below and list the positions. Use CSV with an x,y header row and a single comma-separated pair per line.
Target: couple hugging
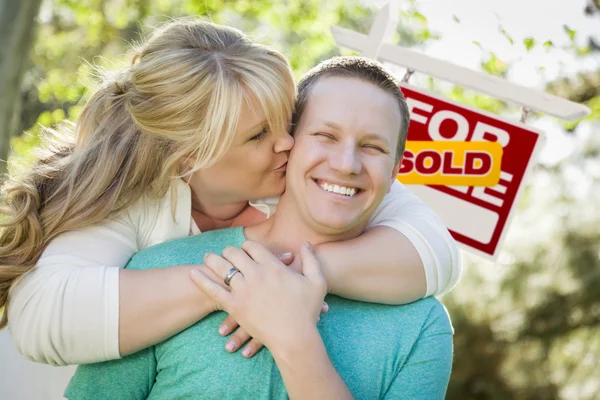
x,y
349,130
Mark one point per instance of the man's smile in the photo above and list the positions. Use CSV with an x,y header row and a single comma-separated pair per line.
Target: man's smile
x,y
338,188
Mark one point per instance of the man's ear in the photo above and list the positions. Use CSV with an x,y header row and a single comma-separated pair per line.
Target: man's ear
x,y
394,174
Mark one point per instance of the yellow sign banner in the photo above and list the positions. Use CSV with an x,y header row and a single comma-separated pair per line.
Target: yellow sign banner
x,y
451,163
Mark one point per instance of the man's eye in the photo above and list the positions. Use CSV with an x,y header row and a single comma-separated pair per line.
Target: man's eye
x,y
259,135
325,135
370,146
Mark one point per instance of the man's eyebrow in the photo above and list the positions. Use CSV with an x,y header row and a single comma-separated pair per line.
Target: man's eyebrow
x,y
367,136
375,136
332,125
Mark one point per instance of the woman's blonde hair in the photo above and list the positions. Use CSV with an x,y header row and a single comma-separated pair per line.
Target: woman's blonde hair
x,y
180,99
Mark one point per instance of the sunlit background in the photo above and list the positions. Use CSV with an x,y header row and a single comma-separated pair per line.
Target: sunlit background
x,y
527,325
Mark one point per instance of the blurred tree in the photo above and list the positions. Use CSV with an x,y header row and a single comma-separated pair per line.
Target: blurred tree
x,y
528,327
16,31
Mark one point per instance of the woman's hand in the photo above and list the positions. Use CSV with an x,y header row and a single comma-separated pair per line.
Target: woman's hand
x,y
271,302
240,336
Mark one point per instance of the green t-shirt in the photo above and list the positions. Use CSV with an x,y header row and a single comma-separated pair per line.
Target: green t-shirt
x,y
380,351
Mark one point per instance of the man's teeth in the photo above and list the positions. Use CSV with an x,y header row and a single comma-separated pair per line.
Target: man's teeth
x,y
339,189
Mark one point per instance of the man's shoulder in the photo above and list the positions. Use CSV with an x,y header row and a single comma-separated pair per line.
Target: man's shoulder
x,y
187,250
434,316
425,316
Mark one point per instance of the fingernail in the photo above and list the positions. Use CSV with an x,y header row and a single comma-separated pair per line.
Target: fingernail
x,y
223,330
230,346
246,352
288,254
326,307
308,245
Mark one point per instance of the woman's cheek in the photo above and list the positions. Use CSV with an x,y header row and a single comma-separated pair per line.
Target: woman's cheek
x,y
261,161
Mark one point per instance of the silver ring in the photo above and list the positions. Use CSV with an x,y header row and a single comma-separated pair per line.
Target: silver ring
x,y
230,275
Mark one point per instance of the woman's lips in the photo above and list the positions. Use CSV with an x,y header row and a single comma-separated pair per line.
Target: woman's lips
x,y
282,168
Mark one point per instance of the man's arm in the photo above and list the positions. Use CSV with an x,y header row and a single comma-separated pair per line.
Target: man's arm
x,y
129,378
405,254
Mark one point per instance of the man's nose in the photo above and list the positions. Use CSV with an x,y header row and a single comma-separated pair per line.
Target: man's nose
x,y
345,160
284,142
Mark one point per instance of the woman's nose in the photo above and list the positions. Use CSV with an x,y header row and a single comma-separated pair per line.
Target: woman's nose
x,y
284,143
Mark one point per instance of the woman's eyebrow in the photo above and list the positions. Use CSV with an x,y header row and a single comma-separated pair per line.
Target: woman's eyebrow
x,y
255,128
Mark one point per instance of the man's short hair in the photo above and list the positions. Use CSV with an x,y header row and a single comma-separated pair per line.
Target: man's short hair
x,y
361,68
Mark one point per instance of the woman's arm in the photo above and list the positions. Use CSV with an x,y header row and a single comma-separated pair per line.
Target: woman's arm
x,y
405,254
156,304
307,370
280,308
68,311
380,266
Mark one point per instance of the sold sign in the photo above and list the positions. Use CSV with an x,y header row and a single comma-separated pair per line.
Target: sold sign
x,y
451,163
476,214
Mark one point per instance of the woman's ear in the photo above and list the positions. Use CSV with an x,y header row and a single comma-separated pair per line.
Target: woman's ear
x,y
186,164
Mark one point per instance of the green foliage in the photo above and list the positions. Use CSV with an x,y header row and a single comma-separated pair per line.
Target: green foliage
x,y
413,29
529,43
506,35
570,32
494,65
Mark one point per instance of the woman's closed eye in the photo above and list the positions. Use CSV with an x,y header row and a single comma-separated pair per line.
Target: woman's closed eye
x,y
259,135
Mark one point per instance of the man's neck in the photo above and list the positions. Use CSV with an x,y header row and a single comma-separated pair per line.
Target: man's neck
x,y
287,230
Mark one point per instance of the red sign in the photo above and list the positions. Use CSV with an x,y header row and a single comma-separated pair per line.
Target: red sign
x,y
477,216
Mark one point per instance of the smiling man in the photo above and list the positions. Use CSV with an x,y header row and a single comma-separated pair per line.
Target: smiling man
x,y
350,129
350,137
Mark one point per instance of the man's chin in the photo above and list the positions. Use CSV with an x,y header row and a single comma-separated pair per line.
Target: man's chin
x,y
336,224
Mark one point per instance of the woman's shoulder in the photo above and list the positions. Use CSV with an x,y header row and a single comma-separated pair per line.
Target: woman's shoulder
x,y
157,220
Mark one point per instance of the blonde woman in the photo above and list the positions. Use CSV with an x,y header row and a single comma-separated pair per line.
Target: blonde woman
x,y
177,145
